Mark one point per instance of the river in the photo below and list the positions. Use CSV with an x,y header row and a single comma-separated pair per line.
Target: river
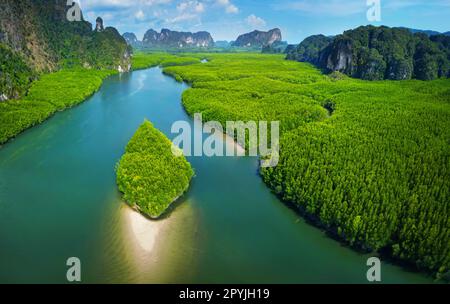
x,y
58,199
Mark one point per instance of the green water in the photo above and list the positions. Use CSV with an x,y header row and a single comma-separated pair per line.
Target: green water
x,y
58,199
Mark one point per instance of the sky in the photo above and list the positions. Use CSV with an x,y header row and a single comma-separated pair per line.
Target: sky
x,y
297,19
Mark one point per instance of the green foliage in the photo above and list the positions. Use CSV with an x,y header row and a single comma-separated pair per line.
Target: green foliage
x,y
146,60
75,44
179,61
149,175
310,48
383,157
370,160
52,93
371,65
15,75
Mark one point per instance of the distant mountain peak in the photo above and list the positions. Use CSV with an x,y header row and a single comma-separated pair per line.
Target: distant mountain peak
x,y
259,38
131,38
169,38
426,32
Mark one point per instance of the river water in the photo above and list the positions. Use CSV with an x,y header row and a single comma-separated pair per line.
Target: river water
x,y
58,199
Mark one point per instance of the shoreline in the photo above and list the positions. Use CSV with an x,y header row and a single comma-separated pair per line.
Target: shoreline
x,y
55,110
141,230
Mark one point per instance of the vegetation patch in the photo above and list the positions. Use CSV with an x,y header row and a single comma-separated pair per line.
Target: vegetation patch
x,y
147,60
15,75
149,175
52,93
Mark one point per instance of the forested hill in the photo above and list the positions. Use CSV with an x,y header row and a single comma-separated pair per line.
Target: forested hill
x,y
376,53
36,37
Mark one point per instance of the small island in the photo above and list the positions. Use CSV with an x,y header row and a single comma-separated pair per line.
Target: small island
x,y
149,175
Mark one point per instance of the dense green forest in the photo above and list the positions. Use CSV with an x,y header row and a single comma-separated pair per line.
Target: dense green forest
x,y
149,175
15,74
145,60
376,53
53,92
309,49
370,161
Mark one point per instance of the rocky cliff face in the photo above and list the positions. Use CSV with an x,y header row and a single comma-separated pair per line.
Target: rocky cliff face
x,y
338,56
18,25
38,37
99,25
173,39
112,49
258,38
376,53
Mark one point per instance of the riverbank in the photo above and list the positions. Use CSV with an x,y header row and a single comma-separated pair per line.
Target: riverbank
x,y
50,94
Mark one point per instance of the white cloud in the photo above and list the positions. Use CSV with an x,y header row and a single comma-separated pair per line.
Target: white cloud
x,y
199,7
230,8
255,21
193,6
181,18
140,15
188,11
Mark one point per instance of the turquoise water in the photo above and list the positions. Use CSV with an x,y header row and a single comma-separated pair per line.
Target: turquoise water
x,y
58,199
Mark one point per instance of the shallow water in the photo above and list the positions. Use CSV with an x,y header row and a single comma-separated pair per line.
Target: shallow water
x,y
58,199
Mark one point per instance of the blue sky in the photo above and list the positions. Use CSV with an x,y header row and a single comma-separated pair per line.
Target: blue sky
x,y
298,19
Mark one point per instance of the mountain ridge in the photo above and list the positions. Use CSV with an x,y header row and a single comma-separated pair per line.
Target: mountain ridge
x,y
377,53
259,38
168,39
426,32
